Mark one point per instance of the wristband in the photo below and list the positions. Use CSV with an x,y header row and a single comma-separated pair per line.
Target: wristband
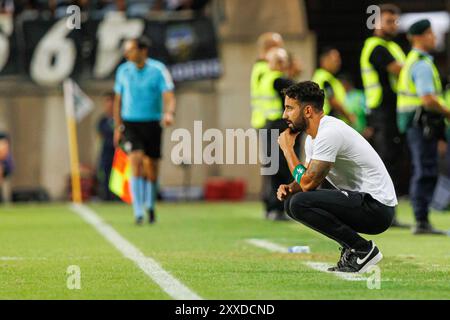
x,y
298,173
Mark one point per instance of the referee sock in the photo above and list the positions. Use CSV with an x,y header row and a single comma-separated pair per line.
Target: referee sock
x,y
136,192
142,191
149,195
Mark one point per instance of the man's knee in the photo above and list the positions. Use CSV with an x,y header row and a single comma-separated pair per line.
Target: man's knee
x,y
151,168
299,203
136,162
287,208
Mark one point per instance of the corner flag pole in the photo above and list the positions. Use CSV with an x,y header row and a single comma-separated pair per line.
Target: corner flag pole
x,y
73,141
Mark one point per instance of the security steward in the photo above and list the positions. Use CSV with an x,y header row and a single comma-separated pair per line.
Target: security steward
x,y
381,61
324,76
266,41
421,114
273,83
267,82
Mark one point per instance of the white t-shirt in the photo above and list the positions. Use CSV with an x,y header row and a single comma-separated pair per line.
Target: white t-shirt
x,y
357,167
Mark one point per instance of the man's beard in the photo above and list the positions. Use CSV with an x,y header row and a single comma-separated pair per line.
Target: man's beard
x,y
298,127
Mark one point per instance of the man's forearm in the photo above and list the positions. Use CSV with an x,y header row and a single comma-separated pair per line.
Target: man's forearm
x,y
431,103
117,106
170,102
295,187
291,159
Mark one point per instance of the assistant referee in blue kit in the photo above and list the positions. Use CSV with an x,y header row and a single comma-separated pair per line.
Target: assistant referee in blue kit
x,y
144,102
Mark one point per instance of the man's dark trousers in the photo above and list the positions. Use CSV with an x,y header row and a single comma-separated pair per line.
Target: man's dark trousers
x,y
388,144
424,158
340,214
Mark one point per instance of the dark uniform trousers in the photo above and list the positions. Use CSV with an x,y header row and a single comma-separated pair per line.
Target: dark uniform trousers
x,y
424,157
387,142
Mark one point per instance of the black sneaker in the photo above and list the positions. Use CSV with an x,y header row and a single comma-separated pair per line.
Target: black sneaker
x,y
344,253
426,228
139,221
358,261
151,216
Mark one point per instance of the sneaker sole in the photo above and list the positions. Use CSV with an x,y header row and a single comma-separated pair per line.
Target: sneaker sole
x,y
371,262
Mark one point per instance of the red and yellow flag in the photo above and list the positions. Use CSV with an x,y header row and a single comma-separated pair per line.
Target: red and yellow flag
x,y
120,176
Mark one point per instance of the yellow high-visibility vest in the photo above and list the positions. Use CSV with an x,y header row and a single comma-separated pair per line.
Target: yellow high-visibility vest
x,y
320,77
259,68
407,98
266,102
370,77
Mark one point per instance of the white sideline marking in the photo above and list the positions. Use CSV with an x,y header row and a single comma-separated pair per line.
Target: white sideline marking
x,y
267,245
172,286
319,266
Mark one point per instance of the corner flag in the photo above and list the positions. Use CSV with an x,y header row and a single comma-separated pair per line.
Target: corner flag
x,y
78,105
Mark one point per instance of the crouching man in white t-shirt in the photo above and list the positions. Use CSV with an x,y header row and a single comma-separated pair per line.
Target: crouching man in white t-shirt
x,y
364,198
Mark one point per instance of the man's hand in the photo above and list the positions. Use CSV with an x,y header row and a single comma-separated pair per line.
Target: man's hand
x,y
286,140
168,119
284,191
117,137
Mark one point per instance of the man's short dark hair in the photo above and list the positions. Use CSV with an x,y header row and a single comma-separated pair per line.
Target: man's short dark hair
x,y
307,92
390,8
143,42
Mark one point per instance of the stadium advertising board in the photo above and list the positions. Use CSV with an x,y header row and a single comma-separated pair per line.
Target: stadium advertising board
x,y
48,51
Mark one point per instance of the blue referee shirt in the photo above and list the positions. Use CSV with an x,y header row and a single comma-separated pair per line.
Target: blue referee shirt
x,y
141,90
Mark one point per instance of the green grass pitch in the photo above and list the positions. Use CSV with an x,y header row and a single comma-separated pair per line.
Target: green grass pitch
x,y
204,246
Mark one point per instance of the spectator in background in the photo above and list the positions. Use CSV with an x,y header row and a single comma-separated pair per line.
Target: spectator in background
x,y
6,161
355,104
325,76
59,7
139,8
7,7
177,5
295,67
27,10
105,129
132,8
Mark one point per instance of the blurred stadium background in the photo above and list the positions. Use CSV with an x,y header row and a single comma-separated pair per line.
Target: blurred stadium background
x,y
209,48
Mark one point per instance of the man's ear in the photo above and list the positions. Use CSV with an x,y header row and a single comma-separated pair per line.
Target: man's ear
x,y
308,110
